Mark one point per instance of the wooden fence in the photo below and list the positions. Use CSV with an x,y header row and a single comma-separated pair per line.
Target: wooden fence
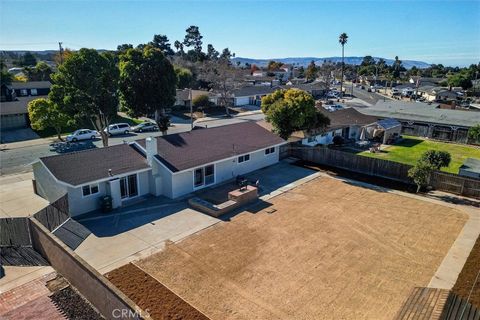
x,y
349,161
456,184
448,182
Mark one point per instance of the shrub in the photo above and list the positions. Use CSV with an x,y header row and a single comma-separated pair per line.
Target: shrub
x,y
201,101
437,159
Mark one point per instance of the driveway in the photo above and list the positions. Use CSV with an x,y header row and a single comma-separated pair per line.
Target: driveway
x,y
17,198
18,135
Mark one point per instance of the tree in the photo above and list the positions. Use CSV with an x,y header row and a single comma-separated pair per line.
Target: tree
x,y
161,42
274,65
292,110
397,67
184,77
5,77
436,158
147,84
222,77
474,133
85,87
124,47
226,54
179,46
193,38
201,101
61,57
212,54
460,79
28,59
420,173
311,73
342,39
41,72
45,114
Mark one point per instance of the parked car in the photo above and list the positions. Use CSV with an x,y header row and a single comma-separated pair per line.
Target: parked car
x,y
118,128
82,134
145,126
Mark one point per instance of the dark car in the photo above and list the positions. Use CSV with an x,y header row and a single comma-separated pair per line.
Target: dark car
x,y
145,126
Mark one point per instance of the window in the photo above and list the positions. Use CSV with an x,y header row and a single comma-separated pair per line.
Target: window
x,y
88,190
23,92
209,174
33,92
204,176
271,150
243,158
311,139
198,177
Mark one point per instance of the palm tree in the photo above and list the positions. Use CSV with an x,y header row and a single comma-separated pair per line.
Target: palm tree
x,y
342,39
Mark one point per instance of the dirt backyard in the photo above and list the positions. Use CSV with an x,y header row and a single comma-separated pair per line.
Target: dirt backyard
x,y
323,250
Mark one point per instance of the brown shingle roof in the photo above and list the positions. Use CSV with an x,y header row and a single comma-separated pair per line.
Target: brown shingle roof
x,y
346,117
81,167
198,147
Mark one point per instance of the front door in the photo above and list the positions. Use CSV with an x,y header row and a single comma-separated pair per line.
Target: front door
x,y
128,186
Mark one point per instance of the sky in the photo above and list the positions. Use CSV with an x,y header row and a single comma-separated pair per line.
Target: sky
x,y
445,32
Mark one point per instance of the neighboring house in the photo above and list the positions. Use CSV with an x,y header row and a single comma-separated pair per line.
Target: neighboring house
x,y
7,93
31,88
251,95
185,97
317,89
15,98
261,81
470,168
347,123
426,120
171,166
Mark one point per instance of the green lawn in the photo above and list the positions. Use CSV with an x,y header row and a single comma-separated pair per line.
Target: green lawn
x,y
50,132
411,148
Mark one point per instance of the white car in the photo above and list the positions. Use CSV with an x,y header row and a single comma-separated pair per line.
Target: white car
x,y
82,134
118,128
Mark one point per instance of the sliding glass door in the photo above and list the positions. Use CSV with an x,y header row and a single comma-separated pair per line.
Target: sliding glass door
x,y
128,186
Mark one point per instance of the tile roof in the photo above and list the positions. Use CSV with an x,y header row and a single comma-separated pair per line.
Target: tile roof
x,y
81,167
198,147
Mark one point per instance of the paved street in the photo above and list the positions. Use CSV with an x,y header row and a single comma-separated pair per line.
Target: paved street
x,y
16,158
370,98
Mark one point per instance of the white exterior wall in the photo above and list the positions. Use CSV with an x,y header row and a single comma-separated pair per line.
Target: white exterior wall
x,y
182,182
326,138
47,187
78,204
242,101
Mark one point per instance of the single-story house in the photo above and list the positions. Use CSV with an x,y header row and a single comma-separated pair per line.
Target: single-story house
x,y
347,123
317,89
426,120
251,95
470,168
185,97
7,93
172,166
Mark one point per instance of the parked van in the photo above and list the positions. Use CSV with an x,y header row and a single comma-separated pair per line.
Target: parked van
x,y
118,128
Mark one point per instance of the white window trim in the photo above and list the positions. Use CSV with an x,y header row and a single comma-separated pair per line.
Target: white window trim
x,y
269,151
203,185
90,187
138,185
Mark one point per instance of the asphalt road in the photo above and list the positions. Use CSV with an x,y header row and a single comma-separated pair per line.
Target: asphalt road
x,y
369,97
17,160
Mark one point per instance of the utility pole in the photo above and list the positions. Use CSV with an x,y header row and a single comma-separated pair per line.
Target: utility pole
x,y
61,52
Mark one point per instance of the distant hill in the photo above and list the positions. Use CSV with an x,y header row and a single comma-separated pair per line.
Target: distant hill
x,y
304,61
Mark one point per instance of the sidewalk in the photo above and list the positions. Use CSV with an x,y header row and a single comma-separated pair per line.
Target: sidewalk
x,y
27,143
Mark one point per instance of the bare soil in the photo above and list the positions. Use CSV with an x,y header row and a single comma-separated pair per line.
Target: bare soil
x,y
467,276
329,250
151,295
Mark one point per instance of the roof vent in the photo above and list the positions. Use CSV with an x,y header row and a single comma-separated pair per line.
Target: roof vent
x,y
110,172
